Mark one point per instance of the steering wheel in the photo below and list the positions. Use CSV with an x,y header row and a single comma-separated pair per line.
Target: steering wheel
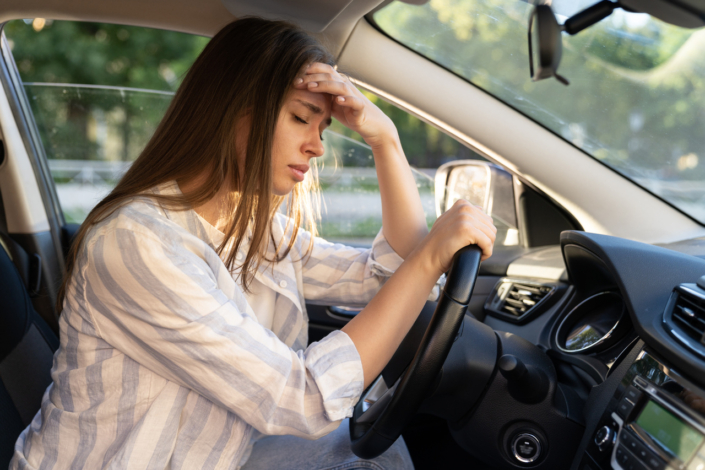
x,y
383,411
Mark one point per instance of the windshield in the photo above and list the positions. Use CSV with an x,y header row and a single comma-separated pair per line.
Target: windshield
x,y
636,99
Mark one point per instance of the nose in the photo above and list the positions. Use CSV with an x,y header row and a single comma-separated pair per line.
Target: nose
x,y
313,147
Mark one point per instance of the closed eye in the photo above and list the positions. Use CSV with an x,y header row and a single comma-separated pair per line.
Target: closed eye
x,y
304,122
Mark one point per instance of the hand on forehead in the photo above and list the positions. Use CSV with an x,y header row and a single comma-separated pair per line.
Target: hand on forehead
x,y
317,103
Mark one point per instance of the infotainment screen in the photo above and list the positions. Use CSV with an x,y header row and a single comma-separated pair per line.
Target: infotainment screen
x,y
670,431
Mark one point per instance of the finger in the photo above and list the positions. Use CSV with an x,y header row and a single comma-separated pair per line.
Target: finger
x,y
335,87
474,236
478,212
484,242
302,81
352,102
487,222
319,67
487,229
475,225
488,233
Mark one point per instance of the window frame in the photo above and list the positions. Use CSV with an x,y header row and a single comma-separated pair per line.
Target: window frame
x,y
22,113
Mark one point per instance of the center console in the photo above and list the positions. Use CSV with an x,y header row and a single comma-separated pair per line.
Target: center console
x,y
654,421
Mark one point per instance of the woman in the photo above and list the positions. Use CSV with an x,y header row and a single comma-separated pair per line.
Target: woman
x,y
183,326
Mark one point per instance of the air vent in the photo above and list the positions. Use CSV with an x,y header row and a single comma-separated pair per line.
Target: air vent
x,y
515,299
523,297
685,315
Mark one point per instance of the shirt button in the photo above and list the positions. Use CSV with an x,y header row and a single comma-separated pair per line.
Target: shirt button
x,y
239,256
282,284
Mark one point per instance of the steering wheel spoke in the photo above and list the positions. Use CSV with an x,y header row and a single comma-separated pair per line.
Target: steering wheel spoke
x,y
376,400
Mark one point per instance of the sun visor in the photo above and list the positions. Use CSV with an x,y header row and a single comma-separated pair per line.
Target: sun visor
x,y
313,15
684,13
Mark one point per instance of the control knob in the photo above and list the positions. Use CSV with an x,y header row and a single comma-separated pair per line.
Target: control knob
x,y
604,438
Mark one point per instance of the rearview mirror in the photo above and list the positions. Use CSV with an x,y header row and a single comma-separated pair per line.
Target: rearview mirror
x,y
545,44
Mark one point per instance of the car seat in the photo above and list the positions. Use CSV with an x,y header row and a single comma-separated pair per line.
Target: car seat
x,y
27,346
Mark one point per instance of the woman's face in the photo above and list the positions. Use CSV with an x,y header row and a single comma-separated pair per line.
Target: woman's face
x,y
297,138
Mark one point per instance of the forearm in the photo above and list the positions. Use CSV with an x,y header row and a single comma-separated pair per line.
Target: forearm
x,y
380,327
403,218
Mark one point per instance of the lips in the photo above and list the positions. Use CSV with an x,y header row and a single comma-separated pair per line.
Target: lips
x,y
299,171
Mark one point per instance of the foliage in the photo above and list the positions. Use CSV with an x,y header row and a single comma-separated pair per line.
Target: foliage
x,y
637,85
134,57
74,122
636,100
102,54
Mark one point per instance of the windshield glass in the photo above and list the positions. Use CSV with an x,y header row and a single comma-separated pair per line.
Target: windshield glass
x,y
636,99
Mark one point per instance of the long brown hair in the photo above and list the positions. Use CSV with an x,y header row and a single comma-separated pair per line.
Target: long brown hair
x,y
246,69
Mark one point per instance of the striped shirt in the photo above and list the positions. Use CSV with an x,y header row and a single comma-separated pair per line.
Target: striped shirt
x,y
164,364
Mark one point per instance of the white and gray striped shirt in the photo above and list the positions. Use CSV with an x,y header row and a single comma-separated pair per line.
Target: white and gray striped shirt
x,y
163,364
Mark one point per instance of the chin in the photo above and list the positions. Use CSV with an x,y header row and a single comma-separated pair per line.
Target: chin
x,y
282,189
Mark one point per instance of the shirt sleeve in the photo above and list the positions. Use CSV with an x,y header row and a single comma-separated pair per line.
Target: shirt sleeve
x,y
336,274
153,295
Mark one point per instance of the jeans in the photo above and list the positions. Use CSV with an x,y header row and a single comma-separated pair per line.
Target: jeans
x,y
331,452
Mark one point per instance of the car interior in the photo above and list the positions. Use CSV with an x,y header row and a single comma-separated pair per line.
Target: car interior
x,y
580,344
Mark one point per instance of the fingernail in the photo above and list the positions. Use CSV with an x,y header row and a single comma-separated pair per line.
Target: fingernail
x,y
341,99
298,81
312,84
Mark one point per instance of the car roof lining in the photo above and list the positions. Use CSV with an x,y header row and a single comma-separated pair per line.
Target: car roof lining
x,y
202,17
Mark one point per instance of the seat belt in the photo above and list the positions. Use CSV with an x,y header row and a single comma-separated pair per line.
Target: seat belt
x,y
29,265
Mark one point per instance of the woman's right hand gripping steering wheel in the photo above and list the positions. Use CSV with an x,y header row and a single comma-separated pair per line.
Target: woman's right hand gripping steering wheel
x,y
462,225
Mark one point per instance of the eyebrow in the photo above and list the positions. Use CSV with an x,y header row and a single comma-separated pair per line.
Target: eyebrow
x,y
315,109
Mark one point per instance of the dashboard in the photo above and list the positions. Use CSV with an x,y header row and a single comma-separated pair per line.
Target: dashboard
x,y
624,325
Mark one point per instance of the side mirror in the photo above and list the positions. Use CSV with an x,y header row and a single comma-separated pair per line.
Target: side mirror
x,y
485,185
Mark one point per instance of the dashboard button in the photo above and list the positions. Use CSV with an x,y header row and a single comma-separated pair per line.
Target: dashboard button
x,y
526,448
633,464
624,408
628,440
621,455
627,461
654,463
633,394
640,382
632,443
648,458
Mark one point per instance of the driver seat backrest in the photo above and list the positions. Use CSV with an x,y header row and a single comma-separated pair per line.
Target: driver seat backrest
x,y
27,346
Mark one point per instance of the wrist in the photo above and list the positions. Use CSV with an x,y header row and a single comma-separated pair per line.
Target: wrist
x,y
425,261
384,141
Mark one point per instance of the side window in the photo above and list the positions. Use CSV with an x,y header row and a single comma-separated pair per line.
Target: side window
x,y
97,93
